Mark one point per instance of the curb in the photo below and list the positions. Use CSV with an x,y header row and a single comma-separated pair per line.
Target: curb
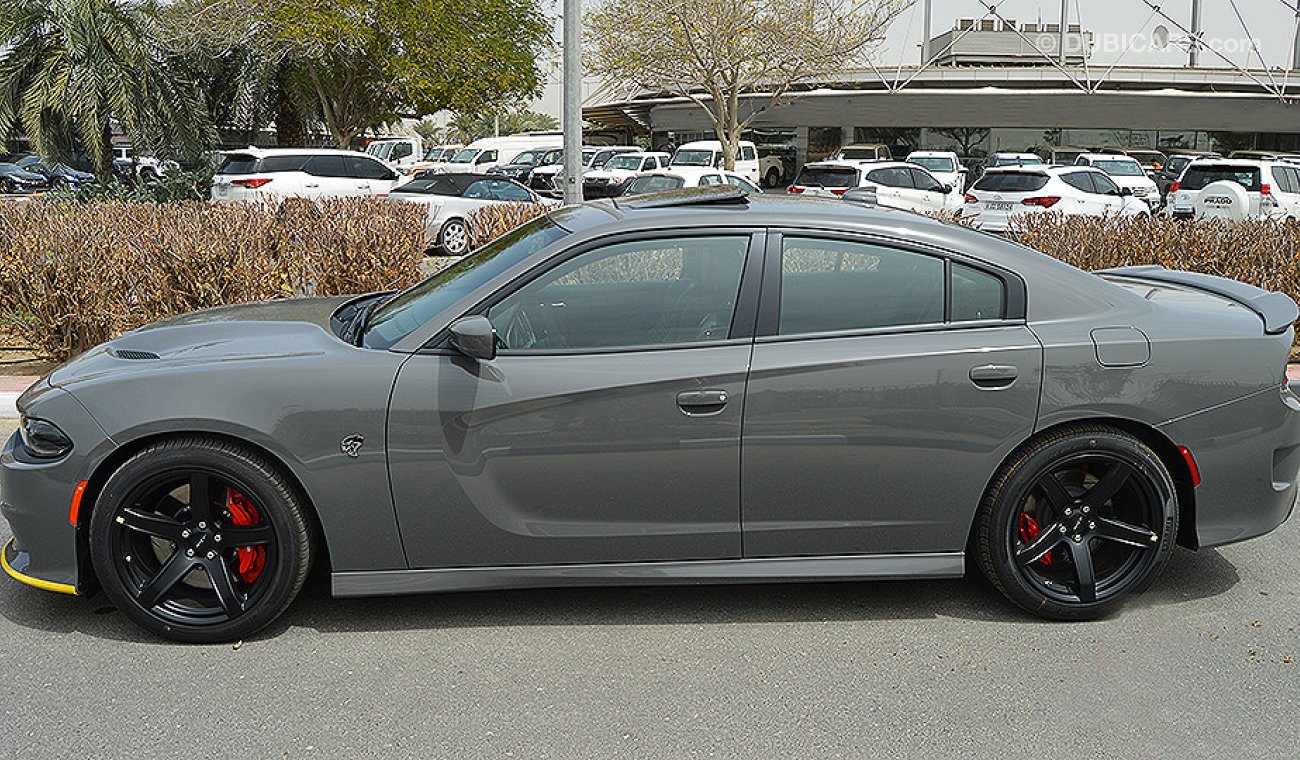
x,y
9,406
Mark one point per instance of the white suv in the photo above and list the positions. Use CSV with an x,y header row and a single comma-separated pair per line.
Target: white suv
x,y
1126,172
258,174
1236,189
1001,195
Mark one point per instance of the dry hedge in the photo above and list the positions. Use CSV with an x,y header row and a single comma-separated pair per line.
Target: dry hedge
x,y
1262,253
491,222
75,275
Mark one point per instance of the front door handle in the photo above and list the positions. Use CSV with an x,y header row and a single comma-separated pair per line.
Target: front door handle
x,y
699,403
994,375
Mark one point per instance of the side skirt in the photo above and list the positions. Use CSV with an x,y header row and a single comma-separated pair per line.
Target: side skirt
x,y
767,570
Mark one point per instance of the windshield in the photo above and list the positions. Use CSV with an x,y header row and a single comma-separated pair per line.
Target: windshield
x,y
379,150
624,161
653,183
587,155
529,157
854,154
1120,168
693,158
407,311
466,156
1017,161
437,153
935,164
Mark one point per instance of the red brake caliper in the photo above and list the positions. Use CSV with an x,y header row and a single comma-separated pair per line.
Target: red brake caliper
x,y
1029,530
242,512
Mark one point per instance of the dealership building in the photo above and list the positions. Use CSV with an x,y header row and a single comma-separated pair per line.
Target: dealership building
x,y
990,87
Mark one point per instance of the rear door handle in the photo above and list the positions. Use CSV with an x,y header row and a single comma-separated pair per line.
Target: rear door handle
x,y
994,375
699,403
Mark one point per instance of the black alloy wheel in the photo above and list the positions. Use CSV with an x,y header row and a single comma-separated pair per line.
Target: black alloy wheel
x,y
1076,522
199,541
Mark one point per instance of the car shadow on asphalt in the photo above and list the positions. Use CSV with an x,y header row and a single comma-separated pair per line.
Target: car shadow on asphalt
x,y
1189,576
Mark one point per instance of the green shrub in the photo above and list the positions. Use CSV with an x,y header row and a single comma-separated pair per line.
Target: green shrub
x,y
73,275
176,185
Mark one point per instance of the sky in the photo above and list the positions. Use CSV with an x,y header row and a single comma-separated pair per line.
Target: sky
x,y
1124,32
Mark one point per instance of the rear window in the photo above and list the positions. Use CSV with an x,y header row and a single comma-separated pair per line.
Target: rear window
x,y
827,176
245,164
238,163
693,158
1198,177
1011,182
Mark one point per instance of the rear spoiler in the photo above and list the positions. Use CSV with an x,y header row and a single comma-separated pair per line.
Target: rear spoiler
x,y
1277,310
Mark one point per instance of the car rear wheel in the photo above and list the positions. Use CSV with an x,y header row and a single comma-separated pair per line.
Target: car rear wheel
x,y
1076,521
199,540
454,238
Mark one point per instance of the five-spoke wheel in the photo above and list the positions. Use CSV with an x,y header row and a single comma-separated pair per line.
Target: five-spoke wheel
x,y
199,540
1076,521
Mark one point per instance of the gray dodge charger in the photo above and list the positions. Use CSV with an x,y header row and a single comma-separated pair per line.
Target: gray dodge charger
x,y
695,387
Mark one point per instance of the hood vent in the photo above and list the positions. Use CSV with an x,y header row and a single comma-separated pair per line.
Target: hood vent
x,y
133,355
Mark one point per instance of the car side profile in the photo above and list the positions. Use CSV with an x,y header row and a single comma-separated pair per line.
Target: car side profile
x,y
1125,172
257,174
896,184
684,177
703,386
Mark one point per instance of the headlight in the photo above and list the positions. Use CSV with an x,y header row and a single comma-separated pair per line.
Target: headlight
x,y
44,439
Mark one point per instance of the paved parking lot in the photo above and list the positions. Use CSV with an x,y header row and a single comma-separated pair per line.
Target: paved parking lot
x,y
1203,665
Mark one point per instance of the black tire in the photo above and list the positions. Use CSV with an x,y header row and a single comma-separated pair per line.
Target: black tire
x,y
6,186
772,178
454,238
1083,501
159,561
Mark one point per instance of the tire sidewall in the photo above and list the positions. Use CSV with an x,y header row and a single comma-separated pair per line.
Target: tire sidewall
x,y
1002,509
258,481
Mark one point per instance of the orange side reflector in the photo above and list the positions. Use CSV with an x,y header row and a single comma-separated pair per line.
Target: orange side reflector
x,y
1191,465
75,512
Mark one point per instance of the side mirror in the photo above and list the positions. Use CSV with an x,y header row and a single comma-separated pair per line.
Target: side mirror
x,y
1125,192
944,189
475,337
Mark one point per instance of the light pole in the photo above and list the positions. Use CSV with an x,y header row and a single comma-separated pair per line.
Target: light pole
x,y
1194,49
572,101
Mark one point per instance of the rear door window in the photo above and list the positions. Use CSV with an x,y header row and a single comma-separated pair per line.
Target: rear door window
x,y
275,164
838,285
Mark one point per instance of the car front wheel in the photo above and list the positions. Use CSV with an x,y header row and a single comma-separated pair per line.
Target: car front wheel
x,y
1076,521
198,540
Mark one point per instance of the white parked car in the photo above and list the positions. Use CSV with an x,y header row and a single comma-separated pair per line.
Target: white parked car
x,y
945,165
708,153
1126,172
678,177
896,184
612,178
1003,195
256,174
1236,189
449,199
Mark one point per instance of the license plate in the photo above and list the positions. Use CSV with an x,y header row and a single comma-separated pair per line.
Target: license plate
x,y
1181,209
997,206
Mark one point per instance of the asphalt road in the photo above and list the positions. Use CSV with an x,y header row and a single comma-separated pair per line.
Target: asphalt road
x,y
1199,666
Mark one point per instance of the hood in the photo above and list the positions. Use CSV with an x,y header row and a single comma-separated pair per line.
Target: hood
x,y
252,332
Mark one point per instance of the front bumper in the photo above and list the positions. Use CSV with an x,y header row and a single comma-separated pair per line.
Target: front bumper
x,y
48,550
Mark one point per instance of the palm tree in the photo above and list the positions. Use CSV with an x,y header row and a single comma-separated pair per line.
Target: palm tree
x,y
72,69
